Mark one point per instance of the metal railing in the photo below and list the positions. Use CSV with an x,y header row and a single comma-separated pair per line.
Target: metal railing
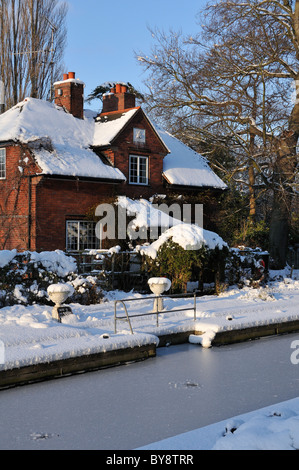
x,y
157,312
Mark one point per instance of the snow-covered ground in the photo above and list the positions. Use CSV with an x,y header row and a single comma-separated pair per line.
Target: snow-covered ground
x,y
274,427
29,335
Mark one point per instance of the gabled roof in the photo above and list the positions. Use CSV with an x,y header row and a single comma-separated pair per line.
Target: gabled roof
x,y
59,142
181,167
109,125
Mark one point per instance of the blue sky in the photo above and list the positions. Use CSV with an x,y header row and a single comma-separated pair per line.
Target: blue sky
x,y
102,36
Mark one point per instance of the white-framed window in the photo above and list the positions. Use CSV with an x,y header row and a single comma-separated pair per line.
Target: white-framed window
x,y
138,171
2,164
81,235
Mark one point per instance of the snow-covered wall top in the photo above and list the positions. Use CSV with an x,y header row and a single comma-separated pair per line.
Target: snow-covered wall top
x,y
69,80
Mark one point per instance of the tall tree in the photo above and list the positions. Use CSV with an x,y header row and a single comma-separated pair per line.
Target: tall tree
x,y
230,86
100,90
33,38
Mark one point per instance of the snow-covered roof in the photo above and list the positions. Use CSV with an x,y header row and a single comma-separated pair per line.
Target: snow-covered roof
x,y
145,214
107,128
59,141
185,167
62,144
188,236
182,166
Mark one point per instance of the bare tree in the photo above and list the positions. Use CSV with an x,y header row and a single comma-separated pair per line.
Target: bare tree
x,y
231,86
33,38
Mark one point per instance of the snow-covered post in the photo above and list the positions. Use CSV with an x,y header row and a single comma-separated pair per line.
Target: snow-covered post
x,y
58,293
158,285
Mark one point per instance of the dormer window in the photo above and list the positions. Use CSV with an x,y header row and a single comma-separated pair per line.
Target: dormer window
x,y
138,136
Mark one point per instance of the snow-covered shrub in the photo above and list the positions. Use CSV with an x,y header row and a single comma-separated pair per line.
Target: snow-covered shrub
x,y
215,264
182,266
241,264
25,277
87,290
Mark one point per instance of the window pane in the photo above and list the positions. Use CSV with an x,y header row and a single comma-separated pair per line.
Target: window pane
x,y
88,238
81,236
72,230
134,170
143,170
2,163
138,169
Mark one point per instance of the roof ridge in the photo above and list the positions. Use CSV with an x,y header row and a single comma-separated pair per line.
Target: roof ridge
x,y
119,111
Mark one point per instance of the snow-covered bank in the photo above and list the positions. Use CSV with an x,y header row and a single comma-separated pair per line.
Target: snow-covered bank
x,y
275,427
29,335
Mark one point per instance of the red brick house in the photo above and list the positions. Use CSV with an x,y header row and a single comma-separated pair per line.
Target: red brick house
x,y
56,163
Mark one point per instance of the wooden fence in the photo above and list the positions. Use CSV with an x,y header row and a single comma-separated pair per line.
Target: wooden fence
x,y
120,270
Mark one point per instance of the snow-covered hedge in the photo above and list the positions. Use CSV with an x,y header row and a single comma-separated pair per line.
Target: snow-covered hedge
x,y
183,253
182,266
186,253
242,264
25,277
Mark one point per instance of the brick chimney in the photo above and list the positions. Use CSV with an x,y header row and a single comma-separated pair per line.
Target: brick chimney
x,y
118,99
69,93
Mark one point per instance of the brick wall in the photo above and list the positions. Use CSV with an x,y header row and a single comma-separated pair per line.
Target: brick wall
x,y
62,200
17,206
40,207
118,102
124,146
70,94
34,209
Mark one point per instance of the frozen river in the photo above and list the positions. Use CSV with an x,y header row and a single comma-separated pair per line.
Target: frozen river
x,y
185,387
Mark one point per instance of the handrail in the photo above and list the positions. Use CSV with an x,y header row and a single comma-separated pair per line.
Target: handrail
x,y
121,318
157,312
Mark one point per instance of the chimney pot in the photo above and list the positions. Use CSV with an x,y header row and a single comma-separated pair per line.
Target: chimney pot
x,y
118,100
71,74
65,76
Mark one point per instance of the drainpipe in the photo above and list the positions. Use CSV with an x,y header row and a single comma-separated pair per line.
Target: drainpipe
x,y
29,211
2,105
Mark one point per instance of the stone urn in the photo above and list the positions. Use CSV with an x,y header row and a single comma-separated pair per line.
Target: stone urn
x,y
58,293
158,285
